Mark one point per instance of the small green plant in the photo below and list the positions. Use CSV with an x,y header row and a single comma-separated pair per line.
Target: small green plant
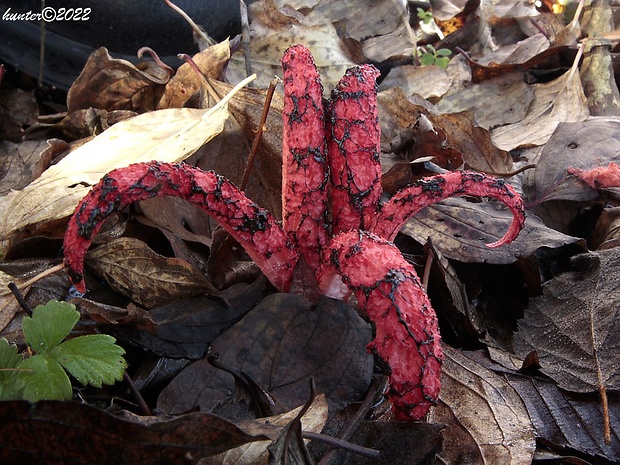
x,y
426,16
41,373
431,56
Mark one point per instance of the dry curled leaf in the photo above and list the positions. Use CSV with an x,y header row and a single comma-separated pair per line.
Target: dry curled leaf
x,y
460,229
113,84
559,101
571,422
54,429
186,82
580,145
256,453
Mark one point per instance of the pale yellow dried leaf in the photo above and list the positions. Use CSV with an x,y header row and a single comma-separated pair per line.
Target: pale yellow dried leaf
x,y
8,304
323,41
559,101
169,135
255,453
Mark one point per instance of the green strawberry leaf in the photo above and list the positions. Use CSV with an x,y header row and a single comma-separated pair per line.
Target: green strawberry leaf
x,y
94,359
49,325
9,359
427,59
42,378
442,62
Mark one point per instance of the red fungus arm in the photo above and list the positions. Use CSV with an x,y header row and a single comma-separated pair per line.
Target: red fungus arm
x,y
410,200
354,135
304,167
601,177
255,229
389,291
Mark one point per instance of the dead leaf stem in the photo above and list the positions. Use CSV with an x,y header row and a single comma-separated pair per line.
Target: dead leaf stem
x,y
197,30
259,132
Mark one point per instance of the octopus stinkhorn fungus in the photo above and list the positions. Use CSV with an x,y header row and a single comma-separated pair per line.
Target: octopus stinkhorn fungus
x,y
330,158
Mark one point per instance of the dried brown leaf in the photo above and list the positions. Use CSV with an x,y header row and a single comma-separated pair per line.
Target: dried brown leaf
x,y
269,41
430,82
280,344
133,269
500,431
186,328
380,40
113,84
179,217
482,99
90,122
582,145
19,105
21,163
164,135
256,453
19,272
185,83
447,137
559,101
460,230
568,421
54,429
575,325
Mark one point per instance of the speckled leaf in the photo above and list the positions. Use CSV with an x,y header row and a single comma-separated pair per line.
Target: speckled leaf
x,y
150,279
460,229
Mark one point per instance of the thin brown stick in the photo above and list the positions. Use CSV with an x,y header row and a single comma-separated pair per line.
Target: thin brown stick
x,y
144,408
360,414
20,299
359,450
245,36
259,132
510,173
430,257
43,274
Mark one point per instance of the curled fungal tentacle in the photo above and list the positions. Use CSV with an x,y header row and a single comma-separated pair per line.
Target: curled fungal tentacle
x,y
255,229
410,200
354,136
304,166
389,291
